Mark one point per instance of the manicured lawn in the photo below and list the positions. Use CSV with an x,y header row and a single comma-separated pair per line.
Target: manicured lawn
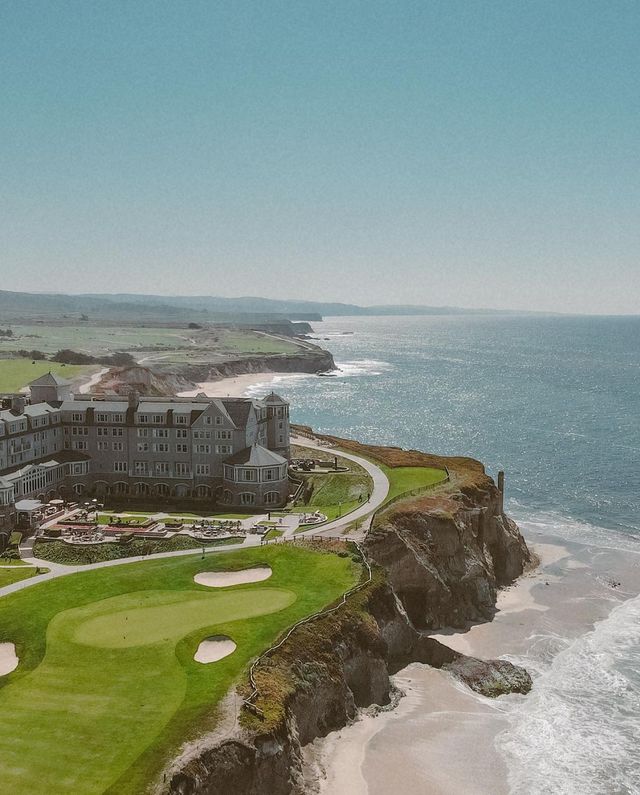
x,y
17,573
274,533
107,690
408,479
17,373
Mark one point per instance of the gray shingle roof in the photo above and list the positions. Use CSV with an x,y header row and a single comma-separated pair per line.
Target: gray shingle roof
x,y
50,379
256,456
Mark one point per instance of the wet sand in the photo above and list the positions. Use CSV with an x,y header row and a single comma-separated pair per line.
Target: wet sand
x,y
237,386
441,738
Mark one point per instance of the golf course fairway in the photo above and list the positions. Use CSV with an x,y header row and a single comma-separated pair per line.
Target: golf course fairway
x,y
107,690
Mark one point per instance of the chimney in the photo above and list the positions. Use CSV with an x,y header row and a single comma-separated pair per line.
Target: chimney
x,y
17,404
134,399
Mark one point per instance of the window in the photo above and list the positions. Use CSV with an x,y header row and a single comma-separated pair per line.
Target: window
x,y
118,447
269,474
162,467
218,420
203,469
182,448
117,431
207,420
181,433
158,418
182,468
102,418
181,419
143,447
102,431
79,444
202,434
103,445
161,447
143,432
161,433
223,449
203,448
119,466
271,497
140,467
117,418
74,418
143,418
248,475
247,498
223,434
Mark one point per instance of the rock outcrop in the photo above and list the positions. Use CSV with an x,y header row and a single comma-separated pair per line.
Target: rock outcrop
x,y
438,561
162,379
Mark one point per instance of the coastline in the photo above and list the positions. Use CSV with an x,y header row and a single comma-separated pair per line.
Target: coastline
x,y
241,385
443,738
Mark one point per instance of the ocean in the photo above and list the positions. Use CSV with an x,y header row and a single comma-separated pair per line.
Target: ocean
x,y
555,402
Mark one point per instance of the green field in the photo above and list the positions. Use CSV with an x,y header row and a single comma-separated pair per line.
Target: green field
x,y
17,373
408,479
162,345
17,573
107,689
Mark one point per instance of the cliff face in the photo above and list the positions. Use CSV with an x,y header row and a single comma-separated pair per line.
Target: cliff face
x,y
162,379
446,556
314,684
439,562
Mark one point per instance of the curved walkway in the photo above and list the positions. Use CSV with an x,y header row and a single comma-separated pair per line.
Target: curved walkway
x,y
335,528
378,495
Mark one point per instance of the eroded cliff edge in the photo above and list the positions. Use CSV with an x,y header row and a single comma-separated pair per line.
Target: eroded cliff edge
x,y
438,559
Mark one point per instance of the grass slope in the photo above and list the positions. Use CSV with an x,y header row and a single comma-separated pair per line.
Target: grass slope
x,y
107,689
17,373
17,573
405,480
336,494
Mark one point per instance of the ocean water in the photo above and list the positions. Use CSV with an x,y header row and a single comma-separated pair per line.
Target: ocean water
x,y
555,402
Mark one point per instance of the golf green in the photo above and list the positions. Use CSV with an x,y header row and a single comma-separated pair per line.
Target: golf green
x,y
107,690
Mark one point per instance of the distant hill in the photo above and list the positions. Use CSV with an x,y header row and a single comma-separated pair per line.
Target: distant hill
x,y
183,308
291,307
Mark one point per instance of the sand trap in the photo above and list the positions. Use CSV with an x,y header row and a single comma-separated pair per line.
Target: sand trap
x,y
8,658
223,579
214,648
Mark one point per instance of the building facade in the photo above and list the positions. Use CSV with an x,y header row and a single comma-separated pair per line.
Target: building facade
x,y
182,448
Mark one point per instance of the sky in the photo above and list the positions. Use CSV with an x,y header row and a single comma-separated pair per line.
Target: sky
x,y
480,154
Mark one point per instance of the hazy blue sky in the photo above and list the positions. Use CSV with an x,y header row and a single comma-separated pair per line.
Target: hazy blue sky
x,y
470,153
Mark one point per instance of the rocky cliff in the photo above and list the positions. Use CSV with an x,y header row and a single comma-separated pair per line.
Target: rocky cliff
x,y
438,560
170,379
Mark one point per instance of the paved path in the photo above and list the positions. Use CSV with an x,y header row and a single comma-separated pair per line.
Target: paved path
x,y
335,528
378,495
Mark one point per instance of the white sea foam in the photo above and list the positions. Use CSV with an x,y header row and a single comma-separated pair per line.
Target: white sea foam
x,y
578,731
362,367
566,527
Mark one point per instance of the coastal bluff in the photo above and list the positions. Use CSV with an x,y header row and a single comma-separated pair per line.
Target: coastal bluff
x,y
438,559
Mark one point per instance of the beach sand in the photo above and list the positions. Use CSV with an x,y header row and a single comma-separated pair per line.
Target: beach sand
x,y
440,739
237,386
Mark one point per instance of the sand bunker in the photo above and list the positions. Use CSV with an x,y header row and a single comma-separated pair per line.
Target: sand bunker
x,y
223,579
214,648
8,658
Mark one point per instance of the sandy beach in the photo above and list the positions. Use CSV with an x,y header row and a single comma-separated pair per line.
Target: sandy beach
x,y
237,386
442,738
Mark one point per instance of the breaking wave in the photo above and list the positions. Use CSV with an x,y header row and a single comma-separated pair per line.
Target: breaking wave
x,y
578,731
